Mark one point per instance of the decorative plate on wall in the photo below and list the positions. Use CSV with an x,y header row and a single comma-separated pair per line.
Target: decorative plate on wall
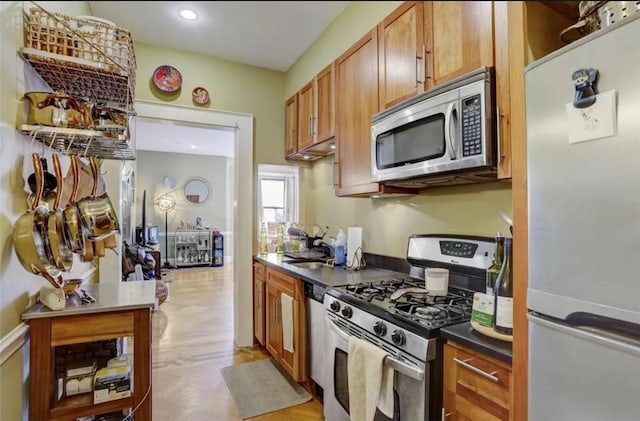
x,y
167,78
200,95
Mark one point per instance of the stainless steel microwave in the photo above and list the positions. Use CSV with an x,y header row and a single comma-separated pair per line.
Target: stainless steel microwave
x,y
446,135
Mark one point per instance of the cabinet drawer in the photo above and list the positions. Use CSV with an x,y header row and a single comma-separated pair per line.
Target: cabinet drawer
x,y
477,386
286,283
258,271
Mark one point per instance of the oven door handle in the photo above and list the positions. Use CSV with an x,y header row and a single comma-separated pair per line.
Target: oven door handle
x,y
391,361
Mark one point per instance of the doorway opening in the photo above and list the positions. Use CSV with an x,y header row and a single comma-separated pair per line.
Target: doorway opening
x,y
238,196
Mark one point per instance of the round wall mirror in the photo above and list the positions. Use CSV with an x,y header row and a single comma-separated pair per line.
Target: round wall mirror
x,y
197,190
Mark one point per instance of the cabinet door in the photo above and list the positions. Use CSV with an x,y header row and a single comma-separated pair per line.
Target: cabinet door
x,y
273,322
459,38
325,111
291,360
258,303
291,126
356,102
476,387
401,48
305,116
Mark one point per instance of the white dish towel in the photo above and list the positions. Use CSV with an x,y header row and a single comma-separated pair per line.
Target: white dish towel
x,y
287,321
370,381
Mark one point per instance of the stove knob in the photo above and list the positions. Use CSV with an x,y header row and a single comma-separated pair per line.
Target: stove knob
x,y
398,337
335,306
380,329
347,312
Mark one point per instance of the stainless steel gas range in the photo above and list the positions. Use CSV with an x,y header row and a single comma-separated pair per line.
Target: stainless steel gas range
x,y
401,317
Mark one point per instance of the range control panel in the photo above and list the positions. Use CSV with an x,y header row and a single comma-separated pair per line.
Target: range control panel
x,y
458,248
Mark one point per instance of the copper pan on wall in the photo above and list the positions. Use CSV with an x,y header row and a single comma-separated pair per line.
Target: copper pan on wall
x,y
30,232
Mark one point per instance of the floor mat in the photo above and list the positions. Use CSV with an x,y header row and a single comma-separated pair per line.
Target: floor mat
x,y
260,387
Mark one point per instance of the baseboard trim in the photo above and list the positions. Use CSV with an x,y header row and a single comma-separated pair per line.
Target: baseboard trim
x,y
13,341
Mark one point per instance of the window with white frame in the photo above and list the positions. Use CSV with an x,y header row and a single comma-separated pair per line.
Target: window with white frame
x,y
278,187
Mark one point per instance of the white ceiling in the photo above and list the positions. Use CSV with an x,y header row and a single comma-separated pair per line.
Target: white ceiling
x,y
269,34
168,136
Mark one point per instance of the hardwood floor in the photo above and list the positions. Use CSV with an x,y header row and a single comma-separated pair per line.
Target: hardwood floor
x,y
193,340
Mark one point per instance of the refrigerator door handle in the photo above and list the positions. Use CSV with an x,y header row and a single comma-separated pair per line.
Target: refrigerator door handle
x,y
602,337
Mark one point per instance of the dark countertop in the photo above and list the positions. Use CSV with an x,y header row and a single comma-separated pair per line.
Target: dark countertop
x,y
466,335
327,276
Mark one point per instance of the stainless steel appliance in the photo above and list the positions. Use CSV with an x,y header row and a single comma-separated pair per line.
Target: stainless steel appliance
x,y
445,135
314,296
584,230
394,315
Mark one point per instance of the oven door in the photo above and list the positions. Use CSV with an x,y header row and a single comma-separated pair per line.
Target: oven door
x,y
411,376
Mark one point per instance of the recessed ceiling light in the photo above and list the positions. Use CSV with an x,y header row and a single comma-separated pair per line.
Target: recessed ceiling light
x,y
306,157
188,14
333,146
193,146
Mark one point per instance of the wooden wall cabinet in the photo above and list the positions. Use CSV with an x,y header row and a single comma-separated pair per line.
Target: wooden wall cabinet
x,y
315,114
259,302
291,127
306,117
476,387
401,54
277,283
356,103
325,108
459,38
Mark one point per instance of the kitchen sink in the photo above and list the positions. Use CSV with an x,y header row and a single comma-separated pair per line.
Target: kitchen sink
x,y
308,265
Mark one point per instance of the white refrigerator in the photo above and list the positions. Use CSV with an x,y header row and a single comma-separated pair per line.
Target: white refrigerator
x,y
583,169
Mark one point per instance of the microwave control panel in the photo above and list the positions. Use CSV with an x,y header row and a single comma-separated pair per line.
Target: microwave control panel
x,y
471,126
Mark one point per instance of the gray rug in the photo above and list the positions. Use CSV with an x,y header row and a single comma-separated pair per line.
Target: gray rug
x,y
261,386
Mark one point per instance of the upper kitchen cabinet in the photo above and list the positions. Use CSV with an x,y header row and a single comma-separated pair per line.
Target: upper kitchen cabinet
x,y
356,102
306,99
315,114
458,38
291,127
401,51
325,108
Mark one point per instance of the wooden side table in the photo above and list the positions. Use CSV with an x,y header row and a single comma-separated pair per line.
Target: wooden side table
x,y
121,310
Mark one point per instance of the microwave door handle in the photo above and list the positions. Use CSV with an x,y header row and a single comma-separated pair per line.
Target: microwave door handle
x,y
448,119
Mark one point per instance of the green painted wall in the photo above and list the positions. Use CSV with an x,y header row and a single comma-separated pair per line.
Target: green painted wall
x,y
17,286
232,87
386,223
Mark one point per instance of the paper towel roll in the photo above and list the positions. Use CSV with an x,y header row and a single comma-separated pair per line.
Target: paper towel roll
x,y
354,242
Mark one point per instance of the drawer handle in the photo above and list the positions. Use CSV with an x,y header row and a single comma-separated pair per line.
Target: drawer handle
x,y
465,364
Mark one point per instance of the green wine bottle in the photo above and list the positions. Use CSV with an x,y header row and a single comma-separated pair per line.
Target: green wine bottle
x,y
504,293
263,239
280,239
494,270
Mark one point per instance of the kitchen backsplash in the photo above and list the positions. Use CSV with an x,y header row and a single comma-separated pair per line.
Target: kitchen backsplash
x,y
388,222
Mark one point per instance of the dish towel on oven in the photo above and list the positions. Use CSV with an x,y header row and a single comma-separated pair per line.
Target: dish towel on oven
x,y
287,321
370,381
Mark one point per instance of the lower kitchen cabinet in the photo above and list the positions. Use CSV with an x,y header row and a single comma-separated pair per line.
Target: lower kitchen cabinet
x,y
476,387
258,302
277,284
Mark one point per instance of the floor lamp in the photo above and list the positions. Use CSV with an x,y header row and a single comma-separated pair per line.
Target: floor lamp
x,y
166,203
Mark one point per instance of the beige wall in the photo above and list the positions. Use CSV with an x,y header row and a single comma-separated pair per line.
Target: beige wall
x,y
17,286
153,166
232,87
386,222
